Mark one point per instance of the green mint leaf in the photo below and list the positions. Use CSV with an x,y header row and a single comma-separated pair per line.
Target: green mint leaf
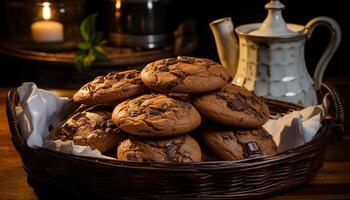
x,y
84,46
79,63
89,50
102,42
99,53
88,60
96,38
88,26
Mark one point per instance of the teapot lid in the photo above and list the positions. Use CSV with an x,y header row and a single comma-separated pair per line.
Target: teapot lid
x,y
274,24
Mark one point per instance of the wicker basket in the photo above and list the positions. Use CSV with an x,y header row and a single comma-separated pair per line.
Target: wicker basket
x,y
249,178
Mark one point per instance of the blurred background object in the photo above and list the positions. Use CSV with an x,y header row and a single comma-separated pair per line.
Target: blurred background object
x,y
185,24
138,23
51,25
40,48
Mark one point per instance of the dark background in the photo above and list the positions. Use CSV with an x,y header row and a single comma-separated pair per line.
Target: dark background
x,y
241,11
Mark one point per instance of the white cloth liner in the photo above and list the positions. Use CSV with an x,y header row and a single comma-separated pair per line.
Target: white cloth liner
x,y
38,109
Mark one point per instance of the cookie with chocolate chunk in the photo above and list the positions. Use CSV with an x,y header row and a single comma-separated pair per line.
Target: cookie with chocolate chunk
x,y
184,75
156,115
92,127
234,144
234,106
179,149
110,89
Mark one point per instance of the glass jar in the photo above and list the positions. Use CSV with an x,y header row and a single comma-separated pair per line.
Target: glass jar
x,y
138,23
44,25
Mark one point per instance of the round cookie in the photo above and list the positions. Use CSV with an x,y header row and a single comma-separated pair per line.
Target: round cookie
x,y
110,89
179,149
185,75
234,106
234,144
156,115
92,127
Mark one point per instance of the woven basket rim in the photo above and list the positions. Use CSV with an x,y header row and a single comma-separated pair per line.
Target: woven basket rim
x,y
249,178
261,161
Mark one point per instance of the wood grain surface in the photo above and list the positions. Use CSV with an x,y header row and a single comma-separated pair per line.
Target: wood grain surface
x,y
332,182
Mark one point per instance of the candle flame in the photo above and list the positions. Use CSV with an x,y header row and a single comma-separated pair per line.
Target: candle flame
x,y
118,4
46,11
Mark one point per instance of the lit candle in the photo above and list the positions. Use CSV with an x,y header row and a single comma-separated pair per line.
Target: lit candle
x,y
47,30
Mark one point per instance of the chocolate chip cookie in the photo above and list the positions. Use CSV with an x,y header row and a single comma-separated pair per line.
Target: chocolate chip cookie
x,y
110,89
234,144
184,75
179,149
156,115
92,127
234,106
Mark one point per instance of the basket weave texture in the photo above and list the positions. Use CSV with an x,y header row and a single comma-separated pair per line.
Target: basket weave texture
x,y
249,178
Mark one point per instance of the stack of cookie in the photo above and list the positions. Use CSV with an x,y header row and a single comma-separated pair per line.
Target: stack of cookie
x,y
156,115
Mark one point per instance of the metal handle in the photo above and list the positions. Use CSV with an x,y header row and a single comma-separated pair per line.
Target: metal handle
x,y
333,44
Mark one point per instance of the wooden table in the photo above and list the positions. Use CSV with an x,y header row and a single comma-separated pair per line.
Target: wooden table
x,y
332,182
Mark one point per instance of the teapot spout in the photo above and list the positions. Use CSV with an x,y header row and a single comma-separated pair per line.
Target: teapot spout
x,y
226,43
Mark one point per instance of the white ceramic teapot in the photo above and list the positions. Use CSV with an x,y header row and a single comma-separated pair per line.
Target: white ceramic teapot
x,y
270,56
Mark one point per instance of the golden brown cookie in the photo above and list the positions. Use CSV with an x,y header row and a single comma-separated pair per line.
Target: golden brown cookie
x,y
234,144
110,89
156,115
92,127
184,75
179,149
234,106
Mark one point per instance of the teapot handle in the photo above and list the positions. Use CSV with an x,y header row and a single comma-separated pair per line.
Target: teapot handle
x,y
333,44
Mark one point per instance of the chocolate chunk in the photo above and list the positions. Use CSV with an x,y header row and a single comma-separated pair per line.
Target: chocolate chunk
x,y
154,111
185,104
207,65
163,68
235,105
124,89
254,112
164,107
99,125
171,148
241,132
264,135
138,102
226,137
110,124
130,76
118,76
179,74
77,116
251,149
172,84
149,124
256,100
240,97
134,113
68,130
